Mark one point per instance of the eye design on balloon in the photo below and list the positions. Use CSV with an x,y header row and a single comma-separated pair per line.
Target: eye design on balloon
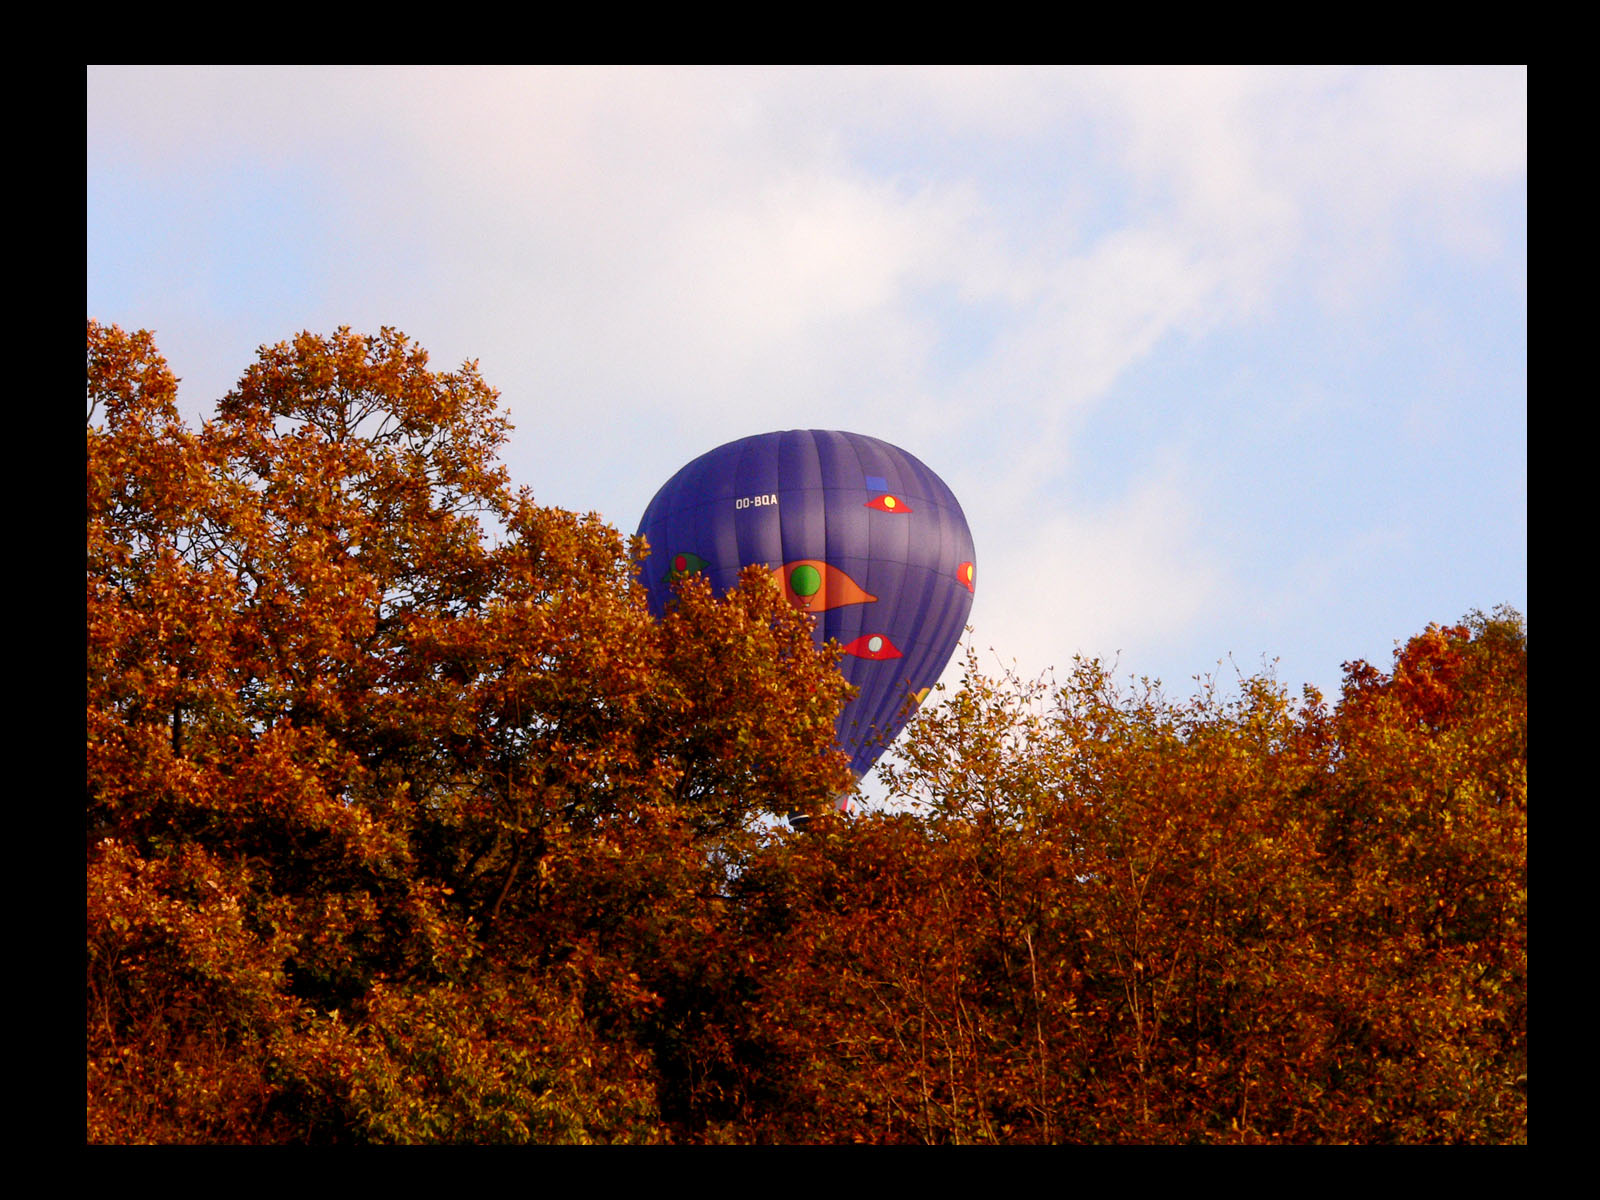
x,y
888,502
968,575
685,564
811,585
874,646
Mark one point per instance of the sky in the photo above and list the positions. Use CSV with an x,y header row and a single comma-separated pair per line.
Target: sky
x,y
1227,367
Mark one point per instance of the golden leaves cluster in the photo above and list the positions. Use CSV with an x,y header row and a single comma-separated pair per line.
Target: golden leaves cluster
x,y
380,752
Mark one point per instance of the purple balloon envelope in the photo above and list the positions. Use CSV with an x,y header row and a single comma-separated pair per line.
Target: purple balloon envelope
x,y
855,531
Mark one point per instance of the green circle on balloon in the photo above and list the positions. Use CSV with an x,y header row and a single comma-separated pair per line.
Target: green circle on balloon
x,y
805,580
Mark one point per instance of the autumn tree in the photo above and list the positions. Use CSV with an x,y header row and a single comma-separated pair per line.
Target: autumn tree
x,y
1232,918
394,788
406,823
1426,844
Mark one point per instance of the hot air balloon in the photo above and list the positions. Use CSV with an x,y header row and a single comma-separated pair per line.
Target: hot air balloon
x,y
855,531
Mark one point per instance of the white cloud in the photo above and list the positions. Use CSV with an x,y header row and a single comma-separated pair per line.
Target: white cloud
x,y
648,261
709,233
1130,575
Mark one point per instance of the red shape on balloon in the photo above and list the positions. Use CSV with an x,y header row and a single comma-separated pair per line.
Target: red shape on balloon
x,y
889,503
874,646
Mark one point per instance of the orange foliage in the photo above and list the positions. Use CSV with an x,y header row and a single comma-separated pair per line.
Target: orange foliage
x,y
389,768
1124,919
406,823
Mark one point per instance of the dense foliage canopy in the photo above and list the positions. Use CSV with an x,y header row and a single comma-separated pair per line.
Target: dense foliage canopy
x,y
406,823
